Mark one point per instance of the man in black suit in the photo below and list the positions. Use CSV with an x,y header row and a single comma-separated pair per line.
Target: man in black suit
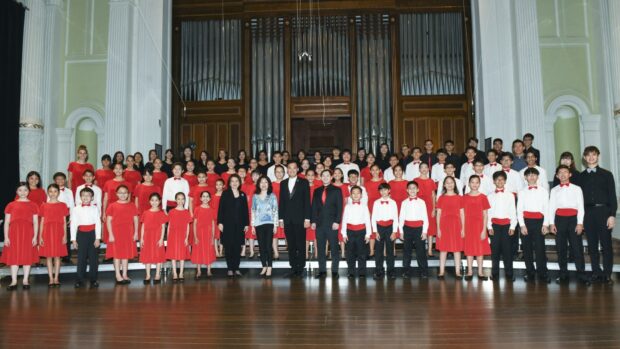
x,y
294,212
326,217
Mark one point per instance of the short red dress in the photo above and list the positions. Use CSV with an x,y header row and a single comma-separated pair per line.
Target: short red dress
x,y
150,251
426,188
276,190
196,191
367,176
215,203
77,173
203,252
133,177
124,245
102,176
21,233
474,209
372,189
398,192
179,221
143,192
191,178
249,189
450,224
110,189
53,215
226,177
159,178
212,178
38,196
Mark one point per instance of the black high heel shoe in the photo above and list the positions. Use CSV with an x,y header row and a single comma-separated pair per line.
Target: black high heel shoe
x,y
469,277
11,287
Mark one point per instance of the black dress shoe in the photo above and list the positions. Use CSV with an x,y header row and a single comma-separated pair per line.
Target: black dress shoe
x,y
459,277
11,287
561,280
405,275
510,278
362,276
608,280
495,278
335,275
586,282
423,276
156,281
351,276
122,282
51,285
469,277
440,277
483,277
77,285
94,284
377,276
528,278
321,275
25,287
146,281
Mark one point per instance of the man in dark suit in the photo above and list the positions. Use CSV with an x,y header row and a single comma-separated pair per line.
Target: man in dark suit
x,y
326,217
294,212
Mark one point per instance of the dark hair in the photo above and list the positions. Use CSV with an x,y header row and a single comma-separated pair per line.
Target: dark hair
x,y
384,186
562,167
492,151
499,174
88,170
530,151
59,174
473,139
177,164
568,155
412,183
456,188
269,185
119,187
155,195
356,187
148,170
141,163
34,173
416,148
591,149
22,184
234,175
220,180
531,170
179,193
517,141
106,157
398,165
470,148
119,153
449,163
205,192
326,170
478,161
507,154
441,151
528,135
474,177
53,185
87,190
499,140
345,151
353,172
449,141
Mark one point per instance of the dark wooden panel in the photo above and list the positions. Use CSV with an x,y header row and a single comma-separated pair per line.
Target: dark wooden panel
x,y
312,107
311,134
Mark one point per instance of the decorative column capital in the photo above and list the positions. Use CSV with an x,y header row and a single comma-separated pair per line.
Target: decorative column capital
x,y
30,125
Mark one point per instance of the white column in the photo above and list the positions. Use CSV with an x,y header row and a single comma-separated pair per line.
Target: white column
x,y
494,69
530,99
118,81
32,93
614,64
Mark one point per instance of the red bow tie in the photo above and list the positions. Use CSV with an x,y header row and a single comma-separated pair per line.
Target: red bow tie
x,y
507,170
62,189
499,190
85,205
356,203
88,185
564,185
493,164
481,175
177,179
384,202
532,187
411,199
416,162
469,161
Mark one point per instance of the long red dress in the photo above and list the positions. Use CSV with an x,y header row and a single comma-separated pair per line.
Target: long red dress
x,y
152,222
426,188
215,203
311,233
133,177
276,190
196,191
191,178
372,189
474,207
179,221
398,191
143,192
53,215
38,196
110,189
211,179
77,173
249,189
21,233
226,177
450,223
159,178
203,252
102,176
124,245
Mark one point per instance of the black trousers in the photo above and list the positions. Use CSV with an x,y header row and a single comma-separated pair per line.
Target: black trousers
x,y
67,231
413,237
296,241
595,226
323,235
87,253
567,235
356,251
264,234
501,248
232,249
534,242
384,234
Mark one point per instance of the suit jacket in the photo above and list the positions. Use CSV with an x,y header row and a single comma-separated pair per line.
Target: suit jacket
x,y
331,211
294,207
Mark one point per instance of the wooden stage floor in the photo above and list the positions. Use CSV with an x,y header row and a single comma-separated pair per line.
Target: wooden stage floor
x,y
308,313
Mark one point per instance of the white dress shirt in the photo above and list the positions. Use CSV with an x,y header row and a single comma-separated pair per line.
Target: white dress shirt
x,y
467,169
66,196
491,168
172,186
566,196
459,186
413,209
388,174
85,215
533,199
438,173
486,185
291,184
502,207
542,177
96,198
514,183
356,213
364,198
385,210
272,174
348,167
412,171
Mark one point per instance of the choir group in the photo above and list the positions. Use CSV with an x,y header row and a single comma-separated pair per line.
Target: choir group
x,y
354,207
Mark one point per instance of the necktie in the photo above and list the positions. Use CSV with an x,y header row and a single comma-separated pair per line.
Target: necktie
x,y
499,190
62,189
532,187
324,195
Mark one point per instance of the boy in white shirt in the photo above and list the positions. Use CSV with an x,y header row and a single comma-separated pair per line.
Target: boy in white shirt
x,y
412,171
86,237
346,165
354,176
438,170
486,182
467,169
388,174
413,222
449,170
501,226
385,226
355,230
89,178
65,196
492,166
530,158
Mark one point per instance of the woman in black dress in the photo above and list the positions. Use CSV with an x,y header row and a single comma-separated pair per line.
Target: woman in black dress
x,y
221,163
232,219
568,159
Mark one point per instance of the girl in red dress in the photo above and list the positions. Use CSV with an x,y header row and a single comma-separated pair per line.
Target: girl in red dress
x,y
159,176
428,193
451,226
365,172
131,174
189,174
36,194
398,186
152,232
212,176
203,249
53,233
105,173
21,226
231,164
178,237
122,222
142,193
338,181
249,188
76,168
311,233
476,207
278,172
196,190
372,189
109,194
252,167
215,203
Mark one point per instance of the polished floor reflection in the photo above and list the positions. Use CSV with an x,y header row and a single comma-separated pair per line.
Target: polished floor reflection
x,y
284,313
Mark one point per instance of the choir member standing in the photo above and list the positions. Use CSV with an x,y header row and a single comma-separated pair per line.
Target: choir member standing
x,y
326,217
36,193
398,186
159,176
122,222
356,229
412,171
413,223
76,169
264,221
174,185
427,191
531,159
276,186
492,165
21,227
384,224
105,173
346,165
66,197
450,226
429,158
144,190
203,248
152,231
86,238
132,175
53,233
311,233
233,222
89,178
501,223
178,236
476,207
